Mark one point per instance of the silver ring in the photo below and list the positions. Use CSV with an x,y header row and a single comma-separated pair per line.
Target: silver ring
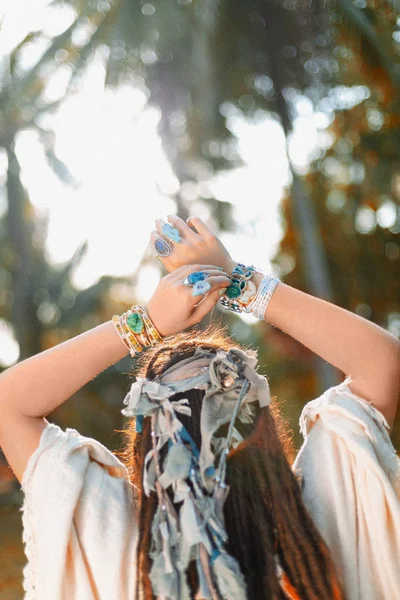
x,y
162,247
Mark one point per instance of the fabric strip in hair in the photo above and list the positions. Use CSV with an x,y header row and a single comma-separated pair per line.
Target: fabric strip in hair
x,y
195,531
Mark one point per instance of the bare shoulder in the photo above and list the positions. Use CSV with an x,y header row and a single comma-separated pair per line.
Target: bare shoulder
x,y
19,438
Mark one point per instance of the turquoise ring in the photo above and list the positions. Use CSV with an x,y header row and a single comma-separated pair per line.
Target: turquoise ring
x,y
200,288
171,233
194,277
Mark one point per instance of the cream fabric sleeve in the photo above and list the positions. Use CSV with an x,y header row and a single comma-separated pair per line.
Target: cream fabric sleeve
x,y
79,524
350,476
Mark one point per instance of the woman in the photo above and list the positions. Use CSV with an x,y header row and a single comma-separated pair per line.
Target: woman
x,y
206,505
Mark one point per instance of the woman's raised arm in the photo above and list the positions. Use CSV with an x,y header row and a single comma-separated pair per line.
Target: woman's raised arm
x,y
32,389
359,348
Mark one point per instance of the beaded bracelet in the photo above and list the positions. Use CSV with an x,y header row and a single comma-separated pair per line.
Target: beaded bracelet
x,y
134,322
266,289
136,329
126,335
153,334
242,291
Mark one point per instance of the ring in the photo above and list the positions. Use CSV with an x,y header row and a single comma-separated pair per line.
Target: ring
x,y
162,247
192,278
200,288
171,233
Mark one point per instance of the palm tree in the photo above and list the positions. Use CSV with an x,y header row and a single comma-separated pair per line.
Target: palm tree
x,y
191,57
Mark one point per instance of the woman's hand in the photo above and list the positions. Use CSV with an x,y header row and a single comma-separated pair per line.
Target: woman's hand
x,y
198,245
173,307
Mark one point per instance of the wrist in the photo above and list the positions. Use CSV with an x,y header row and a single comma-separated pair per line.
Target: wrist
x,y
229,265
136,329
266,286
250,290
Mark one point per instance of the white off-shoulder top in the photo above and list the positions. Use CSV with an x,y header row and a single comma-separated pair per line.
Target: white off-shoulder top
x,y
79,517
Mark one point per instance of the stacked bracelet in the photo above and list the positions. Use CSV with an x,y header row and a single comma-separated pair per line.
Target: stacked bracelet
x,y
266,289
242,291
152,333
136,329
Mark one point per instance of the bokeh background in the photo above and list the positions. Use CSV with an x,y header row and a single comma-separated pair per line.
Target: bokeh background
x,y
276,121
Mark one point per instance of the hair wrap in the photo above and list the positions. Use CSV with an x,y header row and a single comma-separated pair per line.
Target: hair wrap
x,y
195,532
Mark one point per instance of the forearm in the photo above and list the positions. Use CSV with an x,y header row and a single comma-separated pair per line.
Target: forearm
x,y
369,354
359,348
38,385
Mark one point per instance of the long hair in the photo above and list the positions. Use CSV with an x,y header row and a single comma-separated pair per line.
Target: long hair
x,y
264,512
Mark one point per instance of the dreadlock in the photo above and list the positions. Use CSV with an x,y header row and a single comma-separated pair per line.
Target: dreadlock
x,y
264,512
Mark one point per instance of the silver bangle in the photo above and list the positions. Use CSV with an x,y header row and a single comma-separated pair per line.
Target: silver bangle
x,y
265,292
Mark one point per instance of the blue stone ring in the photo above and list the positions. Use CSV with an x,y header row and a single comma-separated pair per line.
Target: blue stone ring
x,y
171,233
162,247
194,277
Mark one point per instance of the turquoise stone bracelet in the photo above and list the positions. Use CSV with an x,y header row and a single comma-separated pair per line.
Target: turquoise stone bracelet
x,y
135,323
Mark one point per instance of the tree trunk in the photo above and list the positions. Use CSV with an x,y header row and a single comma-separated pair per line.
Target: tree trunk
x,y
311,247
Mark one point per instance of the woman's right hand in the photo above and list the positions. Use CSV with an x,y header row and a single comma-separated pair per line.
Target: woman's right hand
x,y
173,307
198,245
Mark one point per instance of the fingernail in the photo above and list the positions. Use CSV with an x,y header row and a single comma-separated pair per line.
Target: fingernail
x,y
221,292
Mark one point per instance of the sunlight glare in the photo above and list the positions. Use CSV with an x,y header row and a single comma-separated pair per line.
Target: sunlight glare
x,y
149,278
9,347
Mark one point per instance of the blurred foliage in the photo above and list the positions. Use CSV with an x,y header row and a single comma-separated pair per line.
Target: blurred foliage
x,y
204,64
354,184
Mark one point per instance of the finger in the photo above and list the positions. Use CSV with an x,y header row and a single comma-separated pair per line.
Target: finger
x,y
204,307
201,227
203,287
181,226
216,272
181,273
219,280
205,275
160,224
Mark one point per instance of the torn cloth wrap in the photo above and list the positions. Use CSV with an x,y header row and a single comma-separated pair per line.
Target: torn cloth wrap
x,y
196,476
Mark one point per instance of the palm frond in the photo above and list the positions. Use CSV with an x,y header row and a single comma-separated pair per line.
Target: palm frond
x,y
14,55
75,261
58,167
21,86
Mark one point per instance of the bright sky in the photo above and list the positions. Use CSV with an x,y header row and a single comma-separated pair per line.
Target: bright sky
x,y
110,143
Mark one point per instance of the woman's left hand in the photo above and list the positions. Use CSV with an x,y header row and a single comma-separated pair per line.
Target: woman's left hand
x,y
197,244
173,307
